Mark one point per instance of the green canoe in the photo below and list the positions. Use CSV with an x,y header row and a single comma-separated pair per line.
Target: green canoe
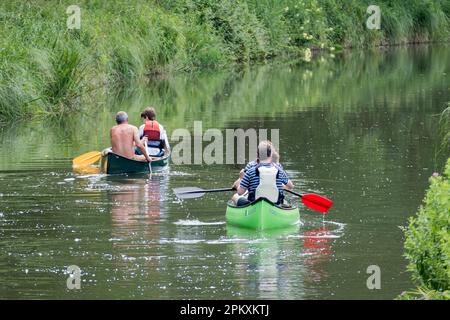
x,y
262,215
115,164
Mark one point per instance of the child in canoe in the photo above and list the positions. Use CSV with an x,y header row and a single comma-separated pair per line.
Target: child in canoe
x,y
153,134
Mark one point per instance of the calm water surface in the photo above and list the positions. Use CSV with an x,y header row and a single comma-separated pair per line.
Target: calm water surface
x,y
360,129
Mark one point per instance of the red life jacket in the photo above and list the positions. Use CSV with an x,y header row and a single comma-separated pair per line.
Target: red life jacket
x,y
152,131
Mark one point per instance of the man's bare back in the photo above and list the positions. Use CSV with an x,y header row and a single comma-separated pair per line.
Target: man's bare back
x,y
123,139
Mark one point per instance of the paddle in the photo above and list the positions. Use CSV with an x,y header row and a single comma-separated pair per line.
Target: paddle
x,y
86,159
194,192
314,201
310,200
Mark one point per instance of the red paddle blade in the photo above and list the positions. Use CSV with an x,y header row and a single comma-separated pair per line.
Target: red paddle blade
x,y
317,202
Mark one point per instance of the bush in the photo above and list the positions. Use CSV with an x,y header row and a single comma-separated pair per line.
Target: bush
x,y
427,245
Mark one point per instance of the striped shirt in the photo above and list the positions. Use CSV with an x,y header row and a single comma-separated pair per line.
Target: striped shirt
x,y
251,179
254,163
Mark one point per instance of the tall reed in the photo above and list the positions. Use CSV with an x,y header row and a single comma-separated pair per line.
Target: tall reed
x,y
47,69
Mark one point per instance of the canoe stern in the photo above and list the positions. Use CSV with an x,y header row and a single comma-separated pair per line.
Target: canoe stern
x,y
262,215
115,164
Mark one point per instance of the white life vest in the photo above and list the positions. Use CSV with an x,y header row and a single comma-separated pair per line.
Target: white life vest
x,y
153,151
267,187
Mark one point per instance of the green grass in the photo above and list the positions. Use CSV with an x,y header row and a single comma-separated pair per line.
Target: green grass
x,y
425,294
47,69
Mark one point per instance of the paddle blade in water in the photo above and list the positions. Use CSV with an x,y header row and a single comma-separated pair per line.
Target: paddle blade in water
x,y
86,159
317,202
189,192
86,169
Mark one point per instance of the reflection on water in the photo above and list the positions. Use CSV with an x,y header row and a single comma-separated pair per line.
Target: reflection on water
x,y
317,247
263,260
136,215
271,259
137,200
360,129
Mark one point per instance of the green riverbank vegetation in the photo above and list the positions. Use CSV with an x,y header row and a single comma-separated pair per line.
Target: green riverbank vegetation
x,y
45,68
427,245
444,125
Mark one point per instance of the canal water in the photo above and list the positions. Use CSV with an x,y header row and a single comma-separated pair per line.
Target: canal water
x,y
360,128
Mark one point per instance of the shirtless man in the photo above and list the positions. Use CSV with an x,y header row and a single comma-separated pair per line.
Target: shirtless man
x,y
124,137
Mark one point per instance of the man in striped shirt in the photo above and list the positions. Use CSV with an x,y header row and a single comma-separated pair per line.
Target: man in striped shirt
x,y
252,181
275,160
